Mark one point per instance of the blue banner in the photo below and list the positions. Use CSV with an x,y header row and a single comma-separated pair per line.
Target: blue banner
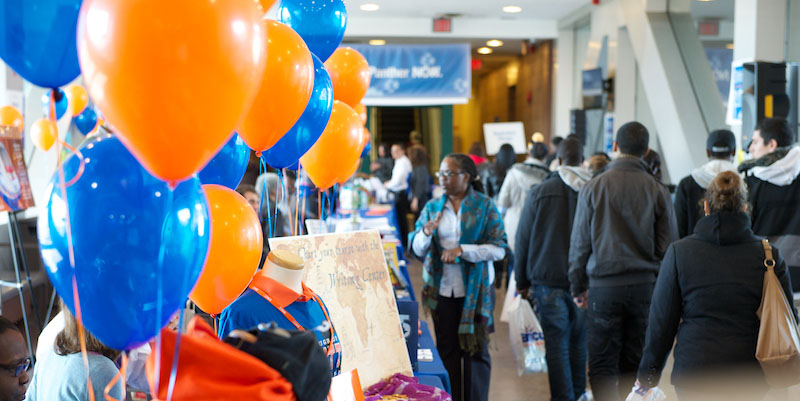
x,y
418,75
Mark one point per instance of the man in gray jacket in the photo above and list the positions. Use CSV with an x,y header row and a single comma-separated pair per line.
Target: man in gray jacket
x,y
623,224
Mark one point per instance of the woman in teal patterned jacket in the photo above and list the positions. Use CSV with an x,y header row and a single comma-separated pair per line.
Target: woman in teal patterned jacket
x,y
458,236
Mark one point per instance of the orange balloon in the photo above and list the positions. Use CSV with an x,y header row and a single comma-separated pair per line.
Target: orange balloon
x,y
350,172
9,115
233,253
77,99
174,77
285,89
366,139
336,149
44,133
266,4
362,113
350,75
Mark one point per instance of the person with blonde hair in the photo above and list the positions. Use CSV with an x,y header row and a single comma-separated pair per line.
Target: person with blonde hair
x,y
707,294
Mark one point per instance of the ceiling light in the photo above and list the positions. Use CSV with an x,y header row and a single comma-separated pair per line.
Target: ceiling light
x,y
485,50
729,46
370,7
512,9
704,1
377,42
494,43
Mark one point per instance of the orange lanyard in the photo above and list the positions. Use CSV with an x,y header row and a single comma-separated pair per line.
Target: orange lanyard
x,y
290,318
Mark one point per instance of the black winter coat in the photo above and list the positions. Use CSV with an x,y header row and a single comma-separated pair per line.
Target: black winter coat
x,y
542,242
708,291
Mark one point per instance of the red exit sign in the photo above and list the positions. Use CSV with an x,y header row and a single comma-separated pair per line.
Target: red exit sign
x,y
442,25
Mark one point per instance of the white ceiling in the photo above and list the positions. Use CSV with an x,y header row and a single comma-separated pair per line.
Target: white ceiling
x,y
531,9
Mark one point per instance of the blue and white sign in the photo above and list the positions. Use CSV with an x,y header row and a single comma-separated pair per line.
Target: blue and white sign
x,y
417,75
734,112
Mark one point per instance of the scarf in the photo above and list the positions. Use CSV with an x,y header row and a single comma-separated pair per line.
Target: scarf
x,y
480,224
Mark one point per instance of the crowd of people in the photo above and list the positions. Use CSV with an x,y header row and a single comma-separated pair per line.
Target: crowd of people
x,y
618,268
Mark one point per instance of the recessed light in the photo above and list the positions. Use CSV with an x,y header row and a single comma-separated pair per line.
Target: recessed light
x,y
485,50
512,9
370,7
494,43
729,46
377,42
704,1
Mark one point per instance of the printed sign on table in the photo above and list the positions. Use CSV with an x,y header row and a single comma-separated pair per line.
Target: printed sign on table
x,y
349,273
15,189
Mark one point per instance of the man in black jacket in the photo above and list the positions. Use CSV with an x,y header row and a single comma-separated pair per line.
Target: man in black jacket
x,y
720,149
542,261
774,190
623,224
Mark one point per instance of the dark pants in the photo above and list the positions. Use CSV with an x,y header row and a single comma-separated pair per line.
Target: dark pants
x,y
401,208
564,329
476,369
616,326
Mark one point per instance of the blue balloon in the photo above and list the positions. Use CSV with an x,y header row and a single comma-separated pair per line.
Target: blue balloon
x,y
365,152
37,40
228,166
61,103
138,244
320,23
305,132
86,121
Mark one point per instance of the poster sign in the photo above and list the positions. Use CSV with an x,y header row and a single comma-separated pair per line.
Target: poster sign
x,y
734,114
418,75
15,189
348,271
497,134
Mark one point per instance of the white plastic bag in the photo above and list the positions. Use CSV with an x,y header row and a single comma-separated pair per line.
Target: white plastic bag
x,y
527,339
511,292
641,394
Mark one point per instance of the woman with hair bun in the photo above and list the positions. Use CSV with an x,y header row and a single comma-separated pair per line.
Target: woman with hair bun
x,y
708,292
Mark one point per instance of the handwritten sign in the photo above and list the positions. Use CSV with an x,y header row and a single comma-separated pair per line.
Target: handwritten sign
x,y
348,271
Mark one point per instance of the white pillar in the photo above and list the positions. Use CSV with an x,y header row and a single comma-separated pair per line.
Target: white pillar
x,y
564,70
759,30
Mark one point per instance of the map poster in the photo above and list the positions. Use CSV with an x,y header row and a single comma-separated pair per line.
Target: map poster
x,y
348,271
15,189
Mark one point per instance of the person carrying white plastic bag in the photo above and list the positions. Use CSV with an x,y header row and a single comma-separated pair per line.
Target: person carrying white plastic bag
x,y
527,339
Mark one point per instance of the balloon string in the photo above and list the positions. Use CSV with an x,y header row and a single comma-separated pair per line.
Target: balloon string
x,y
82,337
296,229
162,251
262,172
120,376
319,204
81,165
173,375
305,204
280,196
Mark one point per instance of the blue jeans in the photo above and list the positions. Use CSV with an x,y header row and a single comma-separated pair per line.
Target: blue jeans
x,y
564,329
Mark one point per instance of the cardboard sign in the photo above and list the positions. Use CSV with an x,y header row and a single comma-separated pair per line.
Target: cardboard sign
x,y
348,271
497,134
15,189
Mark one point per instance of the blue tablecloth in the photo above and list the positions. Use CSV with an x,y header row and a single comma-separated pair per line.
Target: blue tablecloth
x,y
435,367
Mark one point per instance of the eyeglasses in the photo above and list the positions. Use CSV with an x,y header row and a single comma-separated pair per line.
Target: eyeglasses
x,y
17,369
448,174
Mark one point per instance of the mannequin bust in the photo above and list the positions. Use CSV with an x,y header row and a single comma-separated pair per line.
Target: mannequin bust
x,y
286,268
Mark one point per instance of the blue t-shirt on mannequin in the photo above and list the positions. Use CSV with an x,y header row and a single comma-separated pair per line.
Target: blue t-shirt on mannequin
x,y
267,300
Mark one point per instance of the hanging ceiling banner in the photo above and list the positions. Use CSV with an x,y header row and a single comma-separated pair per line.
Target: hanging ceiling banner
x,y
417,75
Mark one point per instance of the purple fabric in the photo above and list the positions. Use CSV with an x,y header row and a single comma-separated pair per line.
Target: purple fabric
x,y
400,384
